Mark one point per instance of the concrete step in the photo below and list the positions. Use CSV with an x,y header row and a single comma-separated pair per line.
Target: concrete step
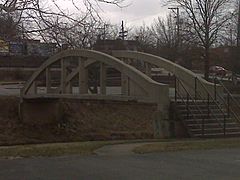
x,y
214,130
217,135
213,125
201,107
199,104
194,101
206,116
206,121
196,111
214,116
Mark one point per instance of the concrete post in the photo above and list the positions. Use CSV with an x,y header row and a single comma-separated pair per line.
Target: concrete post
x,y
161,115
63,75
125,84
148,69
83,77
48,80
68,88
33,88
161,123
103,78
135,89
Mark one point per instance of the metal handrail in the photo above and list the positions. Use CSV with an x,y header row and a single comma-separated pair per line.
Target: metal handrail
x,y
228,107
213,115
209,109
189,95
228,92
213,99
234,100
227,104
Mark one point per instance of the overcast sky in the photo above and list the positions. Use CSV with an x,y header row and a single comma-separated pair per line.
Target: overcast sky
x,y
136,13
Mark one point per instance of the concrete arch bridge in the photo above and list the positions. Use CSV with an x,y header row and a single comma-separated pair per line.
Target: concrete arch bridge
x,y
70,74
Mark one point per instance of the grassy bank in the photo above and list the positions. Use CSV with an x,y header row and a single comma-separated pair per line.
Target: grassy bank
x,y
87,148
188,145
54,149
59,149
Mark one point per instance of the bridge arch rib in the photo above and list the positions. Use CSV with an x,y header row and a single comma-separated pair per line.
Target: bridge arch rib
x,y
153,91
185,75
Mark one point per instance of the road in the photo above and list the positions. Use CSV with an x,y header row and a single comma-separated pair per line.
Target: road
x,y
14,90
208,164
10,89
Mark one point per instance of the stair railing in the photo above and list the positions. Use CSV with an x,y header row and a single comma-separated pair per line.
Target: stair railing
x,y
178,94
214,100
227,104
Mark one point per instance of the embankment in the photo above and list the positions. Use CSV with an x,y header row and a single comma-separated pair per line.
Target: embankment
x,y
79,121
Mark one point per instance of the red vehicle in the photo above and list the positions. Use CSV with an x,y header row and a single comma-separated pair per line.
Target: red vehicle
x,y
218,71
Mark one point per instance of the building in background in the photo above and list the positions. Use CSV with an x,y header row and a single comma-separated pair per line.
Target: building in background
x,y
108,45
4,47
27,48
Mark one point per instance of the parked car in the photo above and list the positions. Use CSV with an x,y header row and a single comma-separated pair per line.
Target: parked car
x,y
236,79
218,71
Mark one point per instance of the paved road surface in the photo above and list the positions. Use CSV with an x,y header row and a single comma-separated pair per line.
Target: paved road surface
x,y
211,164
10,89
14,90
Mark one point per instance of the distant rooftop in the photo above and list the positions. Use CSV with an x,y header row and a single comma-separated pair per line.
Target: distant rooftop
x,y
118,44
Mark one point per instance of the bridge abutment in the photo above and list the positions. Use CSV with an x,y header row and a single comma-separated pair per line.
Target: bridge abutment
x,y
98,119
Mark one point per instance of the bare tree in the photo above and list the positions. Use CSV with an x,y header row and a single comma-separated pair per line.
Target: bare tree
x,y
111,31
206,19
230,31
49,20
174,40
164,30
145,37
9,29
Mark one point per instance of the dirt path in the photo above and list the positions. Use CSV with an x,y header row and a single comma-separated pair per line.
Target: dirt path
x,y
119,149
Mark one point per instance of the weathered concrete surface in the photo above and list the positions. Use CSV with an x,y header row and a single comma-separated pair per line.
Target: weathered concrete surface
x,y
187,165
141,86
185,75
150,89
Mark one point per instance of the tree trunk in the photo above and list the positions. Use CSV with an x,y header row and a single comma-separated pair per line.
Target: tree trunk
x,y
206,63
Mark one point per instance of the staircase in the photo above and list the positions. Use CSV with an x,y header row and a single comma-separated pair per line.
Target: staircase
x,y
206,115
202,120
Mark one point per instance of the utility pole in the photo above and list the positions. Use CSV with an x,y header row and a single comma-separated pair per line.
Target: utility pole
x,y
104,31
123,33
176,12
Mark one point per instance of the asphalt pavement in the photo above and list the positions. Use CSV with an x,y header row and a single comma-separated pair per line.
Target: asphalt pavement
x,y
199,165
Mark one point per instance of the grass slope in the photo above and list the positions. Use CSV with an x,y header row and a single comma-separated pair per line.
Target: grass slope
x,y
55,149
188,145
